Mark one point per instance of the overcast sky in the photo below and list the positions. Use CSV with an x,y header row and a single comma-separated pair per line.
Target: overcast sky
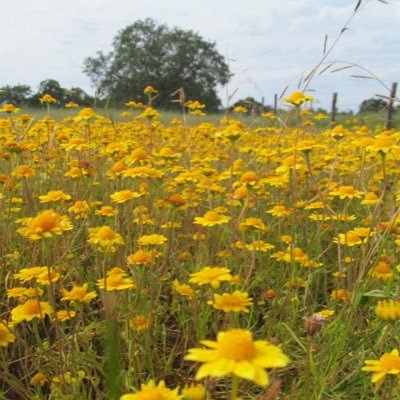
x,y
270,43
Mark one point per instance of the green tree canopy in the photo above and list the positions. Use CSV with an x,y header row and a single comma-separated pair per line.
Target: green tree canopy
x,y
146,53
373,105
17,94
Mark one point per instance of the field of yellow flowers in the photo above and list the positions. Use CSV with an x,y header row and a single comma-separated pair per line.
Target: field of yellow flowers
x,y
151,261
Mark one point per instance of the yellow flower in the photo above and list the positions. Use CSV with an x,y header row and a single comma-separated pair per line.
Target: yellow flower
x,y
325,313
279,211
105,237
71,104
23,292
193,105
298,98
47,276
151,391
339,294
85,114
252,223
29,310
320,116
194,391
138,155
389,363
117,279
235,302
134,104
45,225
47,98
64,315
240,193
211,275
388,310
38,379
383,144
77,143
107,211
54,195
269,115
149,113
80,208
76,172
349,239
24,171
382,271
149,90
79,294
6,336
370,199
348,192
183,289
240,110
249,178
9,108
235,352
152,240
211,218
140,258
27,274
124,195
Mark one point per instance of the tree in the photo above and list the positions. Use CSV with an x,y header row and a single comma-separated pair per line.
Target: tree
x,y
51,87
373,105
16,95
146,53
79,96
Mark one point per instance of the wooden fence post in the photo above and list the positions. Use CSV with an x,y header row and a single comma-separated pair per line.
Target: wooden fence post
x,y
333,110
275,103
390,106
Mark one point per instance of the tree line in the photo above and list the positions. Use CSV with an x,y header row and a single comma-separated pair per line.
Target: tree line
x,y
23,95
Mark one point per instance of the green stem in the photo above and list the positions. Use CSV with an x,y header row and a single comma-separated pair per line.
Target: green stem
x,y
235,387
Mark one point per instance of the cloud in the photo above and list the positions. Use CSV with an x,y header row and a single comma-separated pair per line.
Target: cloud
x,y
272,42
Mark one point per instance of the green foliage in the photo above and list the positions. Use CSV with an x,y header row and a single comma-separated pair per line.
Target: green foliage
x,y
146,53
19,95
16,95
373,105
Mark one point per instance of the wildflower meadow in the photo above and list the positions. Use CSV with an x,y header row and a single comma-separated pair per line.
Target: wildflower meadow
x,y
164,260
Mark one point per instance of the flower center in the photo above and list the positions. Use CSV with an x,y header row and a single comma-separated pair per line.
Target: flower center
x,y
44,222
32,307
383,268
151,396
346,190
106,233
237,345
212,216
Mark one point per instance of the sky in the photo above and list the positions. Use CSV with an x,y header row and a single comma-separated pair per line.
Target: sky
x,y
270,44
